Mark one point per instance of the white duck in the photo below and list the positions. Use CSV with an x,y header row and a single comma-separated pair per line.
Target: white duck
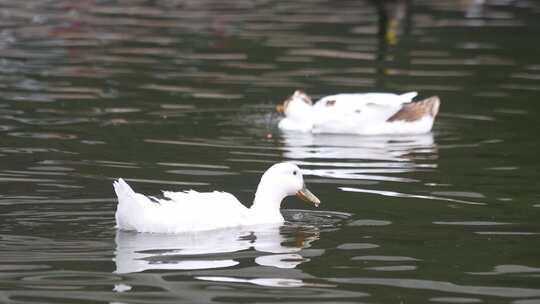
x,y
367,114
196,211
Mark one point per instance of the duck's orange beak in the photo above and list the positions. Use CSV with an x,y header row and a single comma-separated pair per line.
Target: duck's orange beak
x,y
280,108
307,196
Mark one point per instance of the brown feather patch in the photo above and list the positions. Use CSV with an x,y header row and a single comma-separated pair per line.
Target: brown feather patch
x,y
414,111
297,94
330,103
302,95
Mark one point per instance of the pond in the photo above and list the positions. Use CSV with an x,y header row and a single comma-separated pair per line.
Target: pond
x,y
179,94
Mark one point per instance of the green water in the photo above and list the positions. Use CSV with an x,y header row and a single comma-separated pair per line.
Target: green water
x,y
178,95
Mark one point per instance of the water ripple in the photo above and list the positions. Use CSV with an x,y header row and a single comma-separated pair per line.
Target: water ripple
x,y
380,258
455,300
504,292
356,246
470,223
509,269
405,195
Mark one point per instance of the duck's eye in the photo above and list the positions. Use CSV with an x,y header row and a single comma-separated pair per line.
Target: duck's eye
x,y
295,172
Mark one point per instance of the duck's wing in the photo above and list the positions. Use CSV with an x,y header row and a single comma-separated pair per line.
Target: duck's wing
x,y
360,120
358,113
213,204
360,108
177,212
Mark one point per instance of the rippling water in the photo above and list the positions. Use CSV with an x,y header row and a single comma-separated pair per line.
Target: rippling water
x,y
173,94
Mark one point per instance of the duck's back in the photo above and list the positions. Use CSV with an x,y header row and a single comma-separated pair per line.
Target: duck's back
x,y
358,113
357,101
177,212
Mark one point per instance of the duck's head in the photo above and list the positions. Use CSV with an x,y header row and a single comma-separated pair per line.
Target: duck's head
x,y
285,179
296,103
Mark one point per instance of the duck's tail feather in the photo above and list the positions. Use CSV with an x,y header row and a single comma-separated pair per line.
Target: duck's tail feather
x,y
120,186
416,110
123,190
130,205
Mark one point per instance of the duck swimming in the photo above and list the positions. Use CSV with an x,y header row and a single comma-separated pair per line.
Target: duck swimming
x,y
361,113
198,211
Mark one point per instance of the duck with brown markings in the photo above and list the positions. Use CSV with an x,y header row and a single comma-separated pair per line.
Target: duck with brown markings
x,y
361,113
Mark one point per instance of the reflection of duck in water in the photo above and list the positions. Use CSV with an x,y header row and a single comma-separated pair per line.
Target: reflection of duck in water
x,y
367,114
194,211
361,157
395,148
136,252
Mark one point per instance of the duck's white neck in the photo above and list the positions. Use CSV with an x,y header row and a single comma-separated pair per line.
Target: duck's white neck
x,y
265,208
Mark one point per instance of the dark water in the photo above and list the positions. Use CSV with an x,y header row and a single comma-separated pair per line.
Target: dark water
x,y
177,94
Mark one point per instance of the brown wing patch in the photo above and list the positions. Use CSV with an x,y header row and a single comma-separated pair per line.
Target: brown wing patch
x,y
414,111
330,103
281,108
302,95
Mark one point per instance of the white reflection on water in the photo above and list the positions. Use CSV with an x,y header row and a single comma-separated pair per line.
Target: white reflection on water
x,y
137,252
368,158
266,282
375,158
374,148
